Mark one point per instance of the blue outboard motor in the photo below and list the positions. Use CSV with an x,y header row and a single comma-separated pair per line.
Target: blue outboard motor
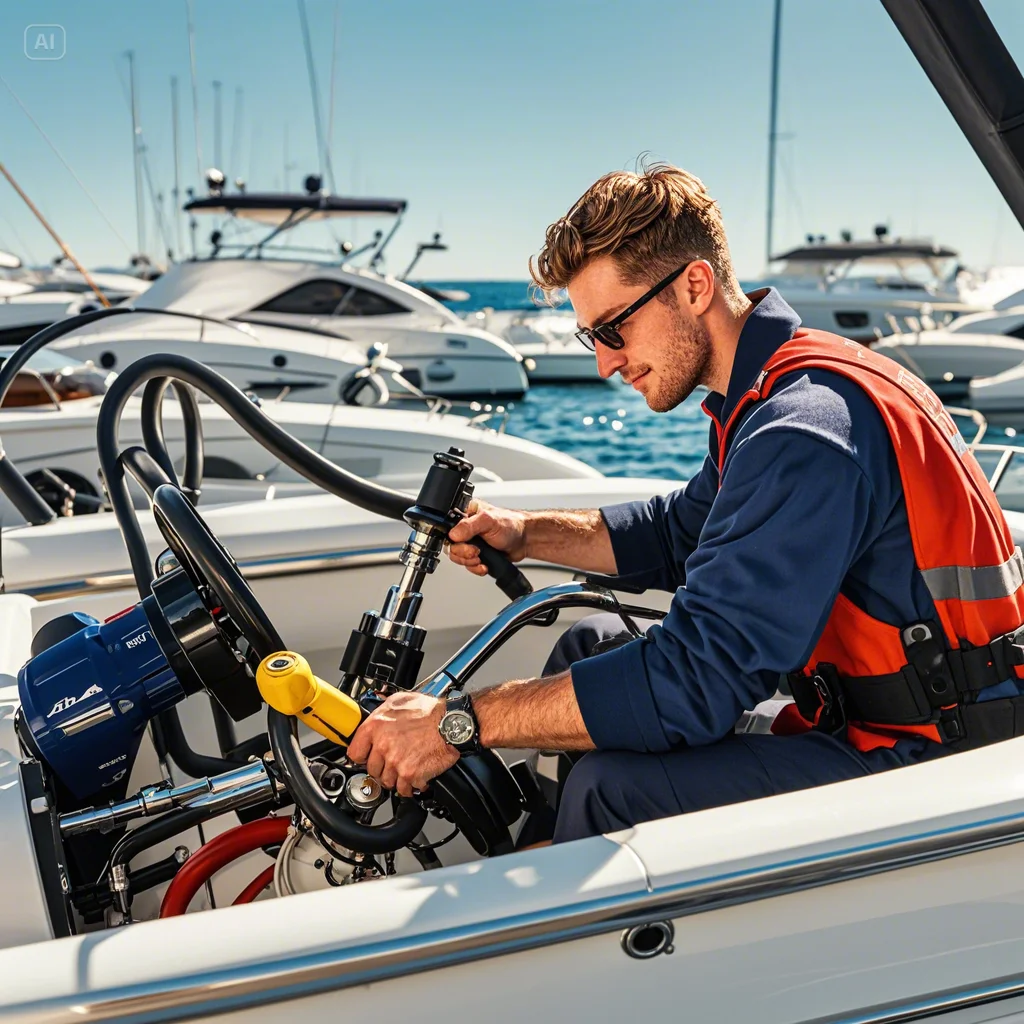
x,y
86,699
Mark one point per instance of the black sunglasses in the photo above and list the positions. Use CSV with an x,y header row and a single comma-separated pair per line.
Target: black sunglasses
x,y
608,333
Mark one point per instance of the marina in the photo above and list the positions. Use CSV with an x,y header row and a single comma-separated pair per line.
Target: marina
x,y
385,632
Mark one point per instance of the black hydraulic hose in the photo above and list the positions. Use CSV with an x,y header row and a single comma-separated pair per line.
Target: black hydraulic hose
x,y
190,761
144,468
332,821
168,825
292,452
21,494
153,433
382,501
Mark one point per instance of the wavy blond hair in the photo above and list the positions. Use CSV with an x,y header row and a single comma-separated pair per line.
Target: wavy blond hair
x,y
651,222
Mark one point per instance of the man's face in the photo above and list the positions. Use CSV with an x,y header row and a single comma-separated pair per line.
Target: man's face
x,y
668,349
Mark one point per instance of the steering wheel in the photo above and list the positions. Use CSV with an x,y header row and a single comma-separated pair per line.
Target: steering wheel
x,y
217,578
212,570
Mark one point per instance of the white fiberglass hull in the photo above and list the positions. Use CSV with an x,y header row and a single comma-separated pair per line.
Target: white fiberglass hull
x,y
553,362
945,358
1000,399
861,314
392,446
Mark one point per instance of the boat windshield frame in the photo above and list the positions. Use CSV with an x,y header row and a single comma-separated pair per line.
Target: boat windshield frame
x,y
296,209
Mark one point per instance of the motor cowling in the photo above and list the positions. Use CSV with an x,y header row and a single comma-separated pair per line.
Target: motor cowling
x,y
86,699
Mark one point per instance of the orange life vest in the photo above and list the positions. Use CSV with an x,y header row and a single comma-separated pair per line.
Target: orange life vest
x,y
876,683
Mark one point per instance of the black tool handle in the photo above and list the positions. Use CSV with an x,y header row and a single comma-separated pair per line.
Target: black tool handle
x,y
511,581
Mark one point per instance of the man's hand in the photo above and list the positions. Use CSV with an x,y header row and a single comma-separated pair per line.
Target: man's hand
x,y
502,528
400,745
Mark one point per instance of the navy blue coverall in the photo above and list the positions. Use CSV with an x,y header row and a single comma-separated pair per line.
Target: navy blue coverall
x,y
810,506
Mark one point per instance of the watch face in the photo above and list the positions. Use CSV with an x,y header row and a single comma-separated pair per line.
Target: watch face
x,y
457,727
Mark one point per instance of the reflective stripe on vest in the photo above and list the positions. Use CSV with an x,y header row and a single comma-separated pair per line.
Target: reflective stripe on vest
x,y
962,543
976,583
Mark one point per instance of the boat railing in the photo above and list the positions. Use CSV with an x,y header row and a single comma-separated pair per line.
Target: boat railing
x,y
977,419
1001,462
477,414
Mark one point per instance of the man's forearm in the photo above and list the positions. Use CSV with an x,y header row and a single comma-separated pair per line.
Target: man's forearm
x,y
575,537
526,713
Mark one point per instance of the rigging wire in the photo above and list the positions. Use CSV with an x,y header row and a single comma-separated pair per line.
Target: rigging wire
x,y
67,166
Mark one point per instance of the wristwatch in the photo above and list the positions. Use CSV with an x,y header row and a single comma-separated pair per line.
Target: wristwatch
x,y
459,725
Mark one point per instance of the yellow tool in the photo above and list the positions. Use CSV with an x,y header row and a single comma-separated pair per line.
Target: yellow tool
x,y
288,685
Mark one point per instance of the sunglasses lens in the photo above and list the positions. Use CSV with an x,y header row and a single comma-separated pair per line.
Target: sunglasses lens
x,y
608,336
586,340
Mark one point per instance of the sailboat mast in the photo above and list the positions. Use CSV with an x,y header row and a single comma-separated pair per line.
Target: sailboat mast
x,y
773,129
177,167
140,226
218,156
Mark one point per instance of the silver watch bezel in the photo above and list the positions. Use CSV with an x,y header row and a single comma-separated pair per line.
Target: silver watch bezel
x,y
442,727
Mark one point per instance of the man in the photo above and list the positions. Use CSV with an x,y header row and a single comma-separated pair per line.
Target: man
x,y
838,533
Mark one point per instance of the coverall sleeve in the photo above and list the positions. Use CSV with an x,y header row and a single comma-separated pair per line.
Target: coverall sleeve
x,y
793,514
653,539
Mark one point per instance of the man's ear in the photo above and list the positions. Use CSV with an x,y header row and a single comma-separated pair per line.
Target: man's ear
x,y
699,284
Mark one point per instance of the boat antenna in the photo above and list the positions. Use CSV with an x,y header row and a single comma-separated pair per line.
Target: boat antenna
x,y
325,157
772,127
53,234
81,184
195,91
218,155
140,223
176,191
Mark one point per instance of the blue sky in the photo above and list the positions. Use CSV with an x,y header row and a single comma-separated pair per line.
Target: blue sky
x,y
491,117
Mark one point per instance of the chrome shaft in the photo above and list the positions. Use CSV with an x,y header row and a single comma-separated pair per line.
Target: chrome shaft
x,y
509,621
244,782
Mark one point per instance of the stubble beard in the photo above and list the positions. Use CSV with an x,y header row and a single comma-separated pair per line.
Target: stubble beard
x,y
686,364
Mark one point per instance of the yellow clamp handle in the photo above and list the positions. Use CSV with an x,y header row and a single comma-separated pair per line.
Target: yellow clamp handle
x,y
287,684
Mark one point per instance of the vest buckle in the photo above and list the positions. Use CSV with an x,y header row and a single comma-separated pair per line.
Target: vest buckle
x,y
831,716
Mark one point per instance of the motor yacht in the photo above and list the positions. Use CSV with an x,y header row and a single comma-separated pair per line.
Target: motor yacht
x,y
856,289
546,339
317,309
949,360
33,299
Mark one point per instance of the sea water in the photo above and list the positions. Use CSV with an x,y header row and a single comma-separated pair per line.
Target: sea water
x,y
607,426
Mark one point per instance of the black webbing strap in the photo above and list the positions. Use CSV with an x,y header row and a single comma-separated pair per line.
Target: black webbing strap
x,y
935,686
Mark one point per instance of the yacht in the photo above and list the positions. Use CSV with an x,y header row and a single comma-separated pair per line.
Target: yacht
x,y
318,308
948,360
856,289
546,339
33,299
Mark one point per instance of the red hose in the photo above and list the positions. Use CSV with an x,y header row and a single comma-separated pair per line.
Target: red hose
x,y
255,887
222,850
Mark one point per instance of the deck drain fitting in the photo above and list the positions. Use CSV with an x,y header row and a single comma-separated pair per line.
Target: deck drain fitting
x,y
644,941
